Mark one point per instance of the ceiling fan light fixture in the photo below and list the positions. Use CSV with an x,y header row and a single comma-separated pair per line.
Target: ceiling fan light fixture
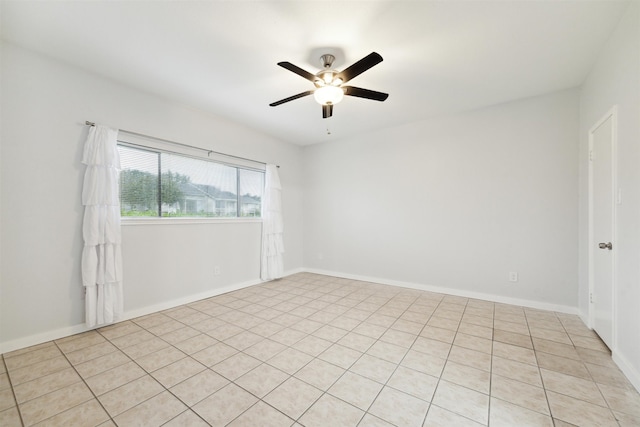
x,y
328,95
326,77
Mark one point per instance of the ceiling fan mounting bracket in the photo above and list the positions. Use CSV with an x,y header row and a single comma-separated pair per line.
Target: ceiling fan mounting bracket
x,y
327,60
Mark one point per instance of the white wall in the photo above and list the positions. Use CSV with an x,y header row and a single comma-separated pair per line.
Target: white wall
x,y
454,202
44,106
615,80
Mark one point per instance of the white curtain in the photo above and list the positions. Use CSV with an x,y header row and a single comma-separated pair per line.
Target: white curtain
x,y
272,226
101,256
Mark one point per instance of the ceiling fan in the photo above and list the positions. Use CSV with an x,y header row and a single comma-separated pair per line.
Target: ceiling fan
x,y
329,83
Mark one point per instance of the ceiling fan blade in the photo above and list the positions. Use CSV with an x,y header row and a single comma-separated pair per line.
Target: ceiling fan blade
x,y
327,111
360,67
291,98
299,71
365,93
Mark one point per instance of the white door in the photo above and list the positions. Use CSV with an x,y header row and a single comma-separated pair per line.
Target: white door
x,y
602,248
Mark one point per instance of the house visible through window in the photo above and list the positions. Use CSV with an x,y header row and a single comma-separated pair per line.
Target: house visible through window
x,y
162,184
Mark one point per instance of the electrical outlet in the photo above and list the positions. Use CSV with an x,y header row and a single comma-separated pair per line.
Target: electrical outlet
x,y
216,270
513,276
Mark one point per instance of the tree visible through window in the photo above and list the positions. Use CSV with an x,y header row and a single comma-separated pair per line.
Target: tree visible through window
x,y
164,184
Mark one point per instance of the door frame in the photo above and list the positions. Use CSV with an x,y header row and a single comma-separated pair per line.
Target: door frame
x,y
613,115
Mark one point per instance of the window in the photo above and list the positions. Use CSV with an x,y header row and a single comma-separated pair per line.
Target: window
x,y
162,184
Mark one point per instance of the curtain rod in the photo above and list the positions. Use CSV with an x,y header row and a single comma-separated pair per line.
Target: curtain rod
x,y
88,123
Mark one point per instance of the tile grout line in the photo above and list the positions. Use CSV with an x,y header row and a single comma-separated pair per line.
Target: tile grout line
x,y
377,340
13,392
544,388
365,412
190,407
397,364
324,392
262,362
591,376
446,360
151,375
95,397
63,354
345,370
131,359
611,410
493,328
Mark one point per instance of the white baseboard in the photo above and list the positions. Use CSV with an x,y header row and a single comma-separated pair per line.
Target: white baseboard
x,y
627,368
187,300
55,334
79,328
585,318
294,271
66,331
451,291
39,338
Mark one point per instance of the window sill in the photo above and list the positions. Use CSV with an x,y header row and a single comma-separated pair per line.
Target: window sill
x,y
126,221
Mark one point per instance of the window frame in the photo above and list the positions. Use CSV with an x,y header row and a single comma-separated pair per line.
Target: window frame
x,y
158,220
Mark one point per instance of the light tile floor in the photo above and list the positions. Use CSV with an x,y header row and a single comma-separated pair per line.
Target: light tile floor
x,y
312,350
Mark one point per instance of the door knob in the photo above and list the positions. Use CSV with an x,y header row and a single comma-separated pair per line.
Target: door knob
x,y
605,245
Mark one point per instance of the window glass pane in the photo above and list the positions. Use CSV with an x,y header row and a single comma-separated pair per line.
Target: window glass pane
x,y
186,186
138,182
251,188
193,187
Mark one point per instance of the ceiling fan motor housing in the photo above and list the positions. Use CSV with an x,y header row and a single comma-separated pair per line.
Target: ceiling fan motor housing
x,y
327,60
327,76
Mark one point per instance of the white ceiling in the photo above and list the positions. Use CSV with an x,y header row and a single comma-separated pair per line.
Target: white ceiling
x,y
220,56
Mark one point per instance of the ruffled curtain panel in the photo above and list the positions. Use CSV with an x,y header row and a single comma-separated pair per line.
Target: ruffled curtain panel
x,y
272,226
101,256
